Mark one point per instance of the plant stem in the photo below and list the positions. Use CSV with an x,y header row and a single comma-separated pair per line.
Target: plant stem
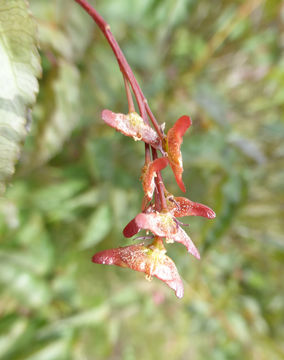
x,y
123,64
159,184
140,98
147,154
131,107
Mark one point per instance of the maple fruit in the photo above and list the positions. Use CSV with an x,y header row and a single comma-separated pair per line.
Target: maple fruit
x,y
160,209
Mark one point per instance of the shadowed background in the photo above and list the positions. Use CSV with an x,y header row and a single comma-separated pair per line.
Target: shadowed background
x,y
77,185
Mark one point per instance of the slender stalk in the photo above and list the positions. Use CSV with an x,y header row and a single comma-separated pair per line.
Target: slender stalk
x,y
131,107
159,184
147,154
140,98
123,64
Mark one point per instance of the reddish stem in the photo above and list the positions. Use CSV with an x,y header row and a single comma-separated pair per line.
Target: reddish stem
x,y
131,107
160,184
140,98
123,64
147,154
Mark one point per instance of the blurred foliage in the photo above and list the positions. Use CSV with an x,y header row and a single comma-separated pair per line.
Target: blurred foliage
x,y
77,185
20,65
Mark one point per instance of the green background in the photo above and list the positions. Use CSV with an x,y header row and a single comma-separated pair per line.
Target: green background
x,y
77,185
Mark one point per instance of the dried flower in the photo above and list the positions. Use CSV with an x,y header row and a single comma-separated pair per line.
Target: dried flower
x,y
132,125
158,216
163,225
151,260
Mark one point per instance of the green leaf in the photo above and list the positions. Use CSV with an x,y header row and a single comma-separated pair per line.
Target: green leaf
x,y
27,288
51,197
89,317
98,227
231,195
12,329
59,124
53,350
34,256
64,33
20,65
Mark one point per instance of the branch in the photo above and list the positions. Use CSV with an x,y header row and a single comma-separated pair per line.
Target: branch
x,y
123,64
